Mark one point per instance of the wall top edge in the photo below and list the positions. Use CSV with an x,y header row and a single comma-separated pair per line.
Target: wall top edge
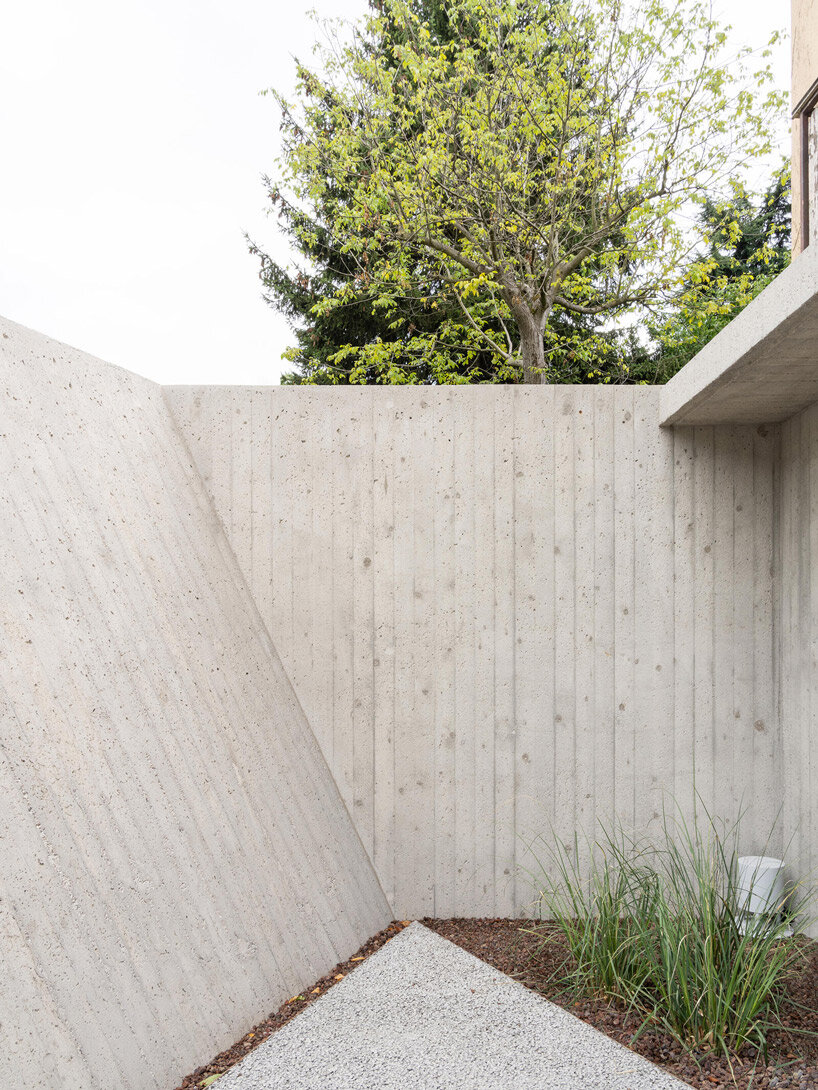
x,y
409,390
20,345
762,368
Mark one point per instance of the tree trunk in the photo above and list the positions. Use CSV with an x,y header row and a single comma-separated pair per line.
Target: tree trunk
x,y
530,326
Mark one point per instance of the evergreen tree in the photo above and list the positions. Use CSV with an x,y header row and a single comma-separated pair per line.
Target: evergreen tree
x,y
437,342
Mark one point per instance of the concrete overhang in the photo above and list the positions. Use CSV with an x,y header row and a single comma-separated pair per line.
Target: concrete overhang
x,y
763,366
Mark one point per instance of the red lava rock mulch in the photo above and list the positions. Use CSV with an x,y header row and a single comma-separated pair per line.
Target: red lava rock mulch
x,y
509,946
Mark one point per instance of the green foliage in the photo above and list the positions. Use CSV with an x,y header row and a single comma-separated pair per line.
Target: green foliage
x,y
658,927
494,177
421,337
748,245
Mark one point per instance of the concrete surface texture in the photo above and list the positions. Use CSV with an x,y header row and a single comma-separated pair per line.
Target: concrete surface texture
x,y
422,1014
761,367
506,610
799,639
175,859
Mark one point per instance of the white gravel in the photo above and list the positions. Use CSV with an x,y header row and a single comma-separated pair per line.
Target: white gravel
x,y
422,1014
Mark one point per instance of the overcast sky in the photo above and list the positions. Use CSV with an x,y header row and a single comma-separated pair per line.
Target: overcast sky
x,y
132,141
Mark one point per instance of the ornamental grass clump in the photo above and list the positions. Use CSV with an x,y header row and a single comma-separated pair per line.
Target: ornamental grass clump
x,y
660,927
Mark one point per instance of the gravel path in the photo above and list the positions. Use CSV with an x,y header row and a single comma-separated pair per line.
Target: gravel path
x,y
422,1014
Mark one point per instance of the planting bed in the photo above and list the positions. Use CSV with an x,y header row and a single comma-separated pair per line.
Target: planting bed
x,y
505,944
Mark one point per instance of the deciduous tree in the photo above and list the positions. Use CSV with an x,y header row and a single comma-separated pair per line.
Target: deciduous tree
x,y
531,162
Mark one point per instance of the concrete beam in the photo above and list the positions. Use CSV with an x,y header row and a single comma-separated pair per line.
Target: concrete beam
x,y
763,367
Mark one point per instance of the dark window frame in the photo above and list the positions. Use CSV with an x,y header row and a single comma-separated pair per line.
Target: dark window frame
x,y
802,113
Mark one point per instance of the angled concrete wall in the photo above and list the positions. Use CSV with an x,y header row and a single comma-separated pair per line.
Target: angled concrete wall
x,y
505,609
175,859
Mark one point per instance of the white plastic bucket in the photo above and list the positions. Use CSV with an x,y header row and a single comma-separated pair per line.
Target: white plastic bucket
x,y
761,884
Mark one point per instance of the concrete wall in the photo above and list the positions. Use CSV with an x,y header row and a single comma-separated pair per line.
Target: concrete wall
x,y
505,609
174,857
799,642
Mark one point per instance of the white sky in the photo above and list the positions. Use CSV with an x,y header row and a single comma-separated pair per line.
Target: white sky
x,y
132,141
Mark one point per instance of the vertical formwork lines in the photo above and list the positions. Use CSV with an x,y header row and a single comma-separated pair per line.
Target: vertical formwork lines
x,y
323,616
604,647
807,790
373,635
160,715
553,666
635,725
564,621
436,788
394,656
456,659
585,549
684,627
808,540
492,899
505,732
511,805
614,604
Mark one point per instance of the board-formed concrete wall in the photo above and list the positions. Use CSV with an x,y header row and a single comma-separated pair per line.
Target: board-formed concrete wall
x,y
175,859
799,639
506,609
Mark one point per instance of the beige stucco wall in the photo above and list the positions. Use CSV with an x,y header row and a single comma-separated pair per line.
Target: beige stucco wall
x,y
804,46
804,74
